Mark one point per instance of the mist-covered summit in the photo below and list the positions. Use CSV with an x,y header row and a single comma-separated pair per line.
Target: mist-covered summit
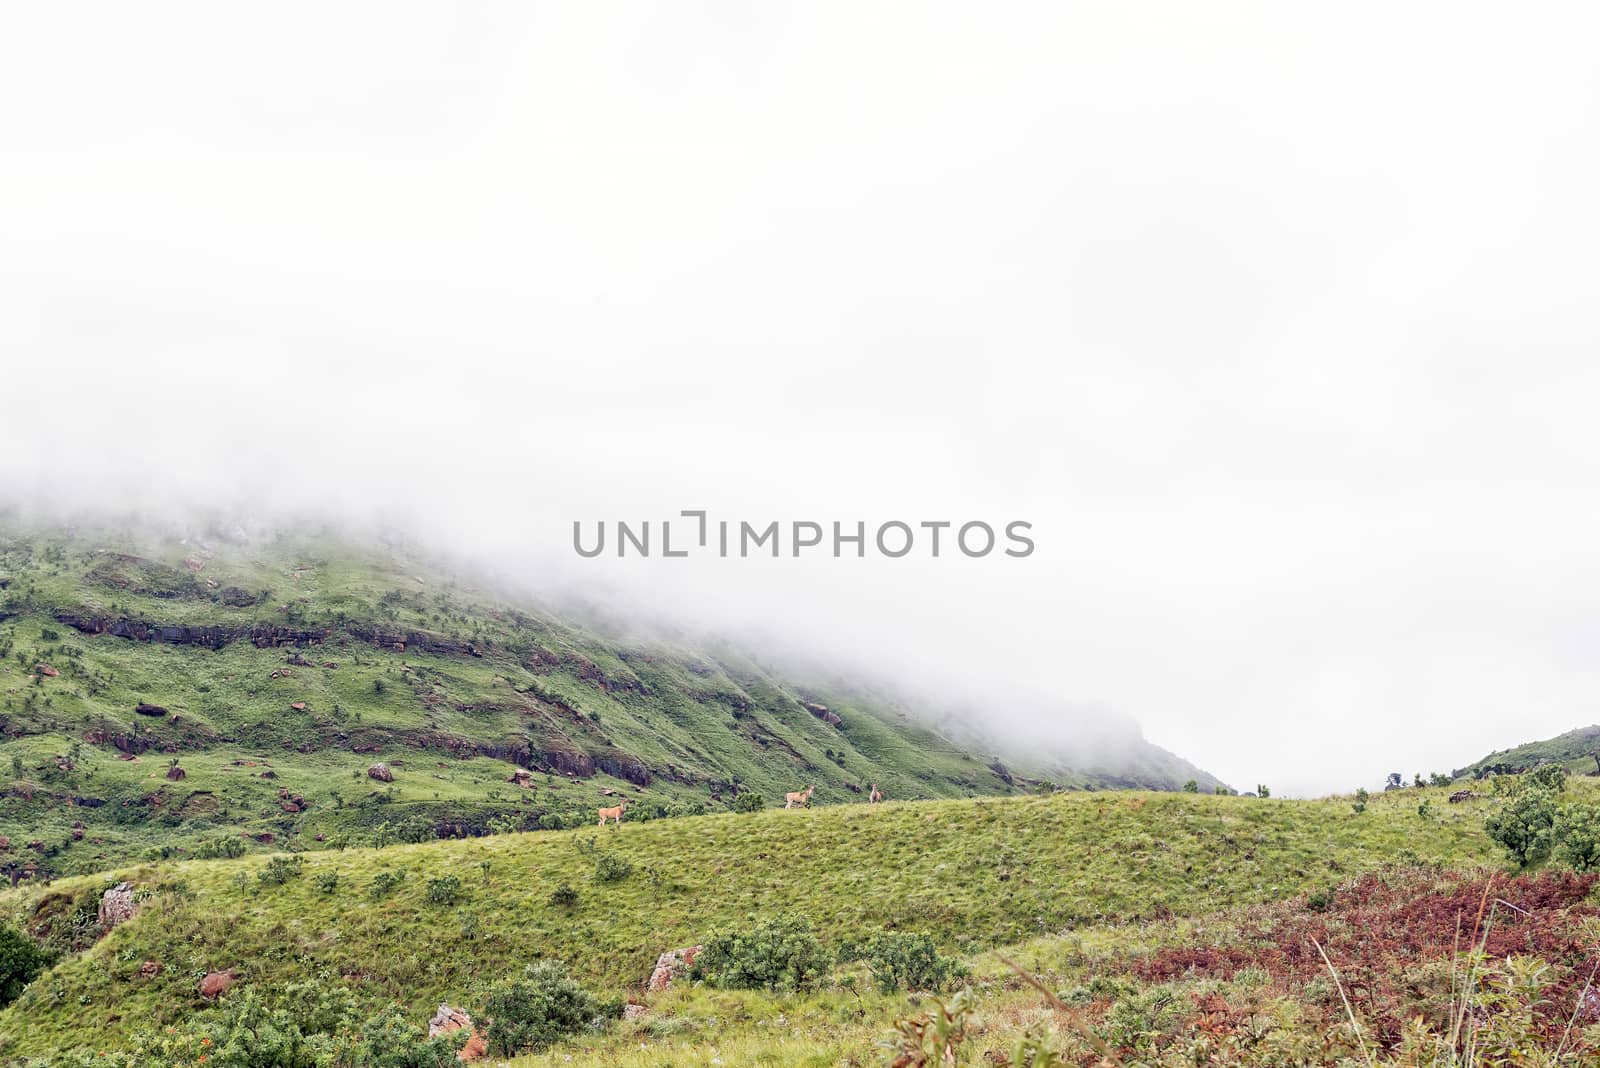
x,y
195,687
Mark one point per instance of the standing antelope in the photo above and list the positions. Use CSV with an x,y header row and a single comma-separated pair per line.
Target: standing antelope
x,y
874,797
801,798
613,814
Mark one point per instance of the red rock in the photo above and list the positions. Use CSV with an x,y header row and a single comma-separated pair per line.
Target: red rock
x,y
47,671
381,772
299,706
447,1021
668,965
215,984
150,969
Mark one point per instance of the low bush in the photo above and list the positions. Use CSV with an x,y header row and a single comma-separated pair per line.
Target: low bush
x,y
540,1006
385,883
775,954
445,890
20,961
280,870
308,1025
564,897
902,960
611,868
748,802
216,848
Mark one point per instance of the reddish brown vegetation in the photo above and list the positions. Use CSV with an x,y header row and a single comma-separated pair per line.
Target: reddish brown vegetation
x,y
1378,930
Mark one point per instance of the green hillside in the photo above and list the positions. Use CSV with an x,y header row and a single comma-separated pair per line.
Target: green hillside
x,y
187,691
1578,751
976,874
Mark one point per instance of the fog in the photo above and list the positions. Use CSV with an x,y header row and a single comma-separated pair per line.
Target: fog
x,y
1276,323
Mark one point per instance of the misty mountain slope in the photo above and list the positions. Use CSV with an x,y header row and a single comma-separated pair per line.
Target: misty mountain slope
x,y
160,693
972,873
1577,750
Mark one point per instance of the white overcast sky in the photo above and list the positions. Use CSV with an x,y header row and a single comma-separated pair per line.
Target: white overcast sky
x,y
1277,320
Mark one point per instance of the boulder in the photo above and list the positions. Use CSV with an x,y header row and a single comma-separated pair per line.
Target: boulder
x,y
176,774
669,965
447,1021
299,706
145,709
47,671
522,777
150,969
215,984
116,905
381,772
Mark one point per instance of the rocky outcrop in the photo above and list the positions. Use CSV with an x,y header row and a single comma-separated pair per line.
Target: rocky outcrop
x,y
47,671
144,708
1462,795
447,1021
825,714
381,772
215,984
176,774
116,905
670,965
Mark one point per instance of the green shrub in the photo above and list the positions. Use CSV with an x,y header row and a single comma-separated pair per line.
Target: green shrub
x,y
748,802
564,897
1549,776
280,870
327,881
445,890
1359,805
611,868
1577,835
215,848
1191,787
385,883
1525,824
552,821
20,961
903,960
776,954
543,1004
308,1025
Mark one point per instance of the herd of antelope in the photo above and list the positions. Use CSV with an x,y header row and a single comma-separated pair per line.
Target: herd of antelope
x,y
792,799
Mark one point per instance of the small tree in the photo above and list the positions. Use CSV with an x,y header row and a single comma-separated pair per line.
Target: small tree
x,y
1360,803
1262,791
1577,834
1525,824
747,802
1191,787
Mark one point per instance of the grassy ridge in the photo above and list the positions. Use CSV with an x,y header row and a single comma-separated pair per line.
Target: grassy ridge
x,y
306,660
977,874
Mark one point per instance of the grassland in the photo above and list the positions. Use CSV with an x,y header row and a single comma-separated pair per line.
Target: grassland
x,y
976,874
